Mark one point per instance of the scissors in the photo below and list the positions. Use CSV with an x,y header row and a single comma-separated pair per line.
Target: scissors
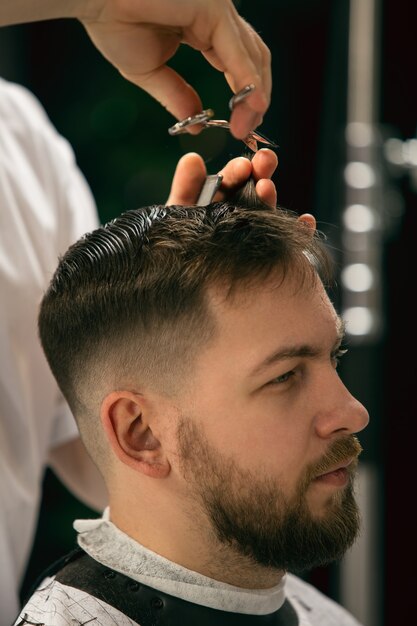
x,y
205,119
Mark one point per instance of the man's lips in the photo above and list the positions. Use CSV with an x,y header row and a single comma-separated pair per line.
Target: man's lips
x,y
340,466
336,476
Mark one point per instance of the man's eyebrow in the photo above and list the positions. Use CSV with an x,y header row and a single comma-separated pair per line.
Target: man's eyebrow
x,y
302,350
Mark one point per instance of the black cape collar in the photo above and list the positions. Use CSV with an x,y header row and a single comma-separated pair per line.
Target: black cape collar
x,y
149,607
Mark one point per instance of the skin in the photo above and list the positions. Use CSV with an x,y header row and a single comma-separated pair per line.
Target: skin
x,y
275,424
139,37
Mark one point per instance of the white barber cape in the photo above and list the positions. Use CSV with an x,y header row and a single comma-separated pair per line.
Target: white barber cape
x,y
56,604
45,205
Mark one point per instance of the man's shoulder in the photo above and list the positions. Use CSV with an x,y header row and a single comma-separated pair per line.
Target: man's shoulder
x,y
56,604
318,608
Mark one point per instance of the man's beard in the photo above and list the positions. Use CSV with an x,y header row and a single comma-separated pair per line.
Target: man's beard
x,y
253,515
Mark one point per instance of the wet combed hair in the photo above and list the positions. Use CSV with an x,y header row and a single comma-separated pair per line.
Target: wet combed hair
x,y
127,306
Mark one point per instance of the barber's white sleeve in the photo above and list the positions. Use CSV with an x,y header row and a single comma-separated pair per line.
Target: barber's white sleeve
x,y
45,205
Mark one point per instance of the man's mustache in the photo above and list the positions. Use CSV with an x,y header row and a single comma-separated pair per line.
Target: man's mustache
x,y
341,451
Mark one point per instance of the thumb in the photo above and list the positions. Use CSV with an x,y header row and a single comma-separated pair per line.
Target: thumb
x,y
188,180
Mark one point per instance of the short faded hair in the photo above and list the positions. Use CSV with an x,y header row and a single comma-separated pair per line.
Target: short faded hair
x,y
127,306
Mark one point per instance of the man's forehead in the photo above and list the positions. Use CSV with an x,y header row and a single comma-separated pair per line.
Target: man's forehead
x,y
283,287
283,308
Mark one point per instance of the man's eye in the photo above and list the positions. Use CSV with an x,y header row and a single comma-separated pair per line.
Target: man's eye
x,y
337,355
279,380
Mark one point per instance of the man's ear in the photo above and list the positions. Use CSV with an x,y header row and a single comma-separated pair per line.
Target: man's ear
x,y
125,417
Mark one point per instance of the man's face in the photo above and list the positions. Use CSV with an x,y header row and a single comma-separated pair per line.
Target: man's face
x,y
266,438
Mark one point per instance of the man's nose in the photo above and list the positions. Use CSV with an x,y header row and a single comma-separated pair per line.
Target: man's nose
x,y
338,411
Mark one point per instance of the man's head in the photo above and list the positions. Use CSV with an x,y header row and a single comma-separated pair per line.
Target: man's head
x,y
128,306
204,339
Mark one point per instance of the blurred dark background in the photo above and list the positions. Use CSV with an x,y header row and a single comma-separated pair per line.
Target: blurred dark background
x,y
119,135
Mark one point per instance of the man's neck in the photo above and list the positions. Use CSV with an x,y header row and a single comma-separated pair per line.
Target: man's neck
x,y
114,549
198,550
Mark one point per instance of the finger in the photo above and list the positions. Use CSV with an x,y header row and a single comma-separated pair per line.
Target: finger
x,y
238,170
266,191
263,56
235,173
171,90
309,220
243,118
188,180
264,163
265,67
236,53
249,41
245,113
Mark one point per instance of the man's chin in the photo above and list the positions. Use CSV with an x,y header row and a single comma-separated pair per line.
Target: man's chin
x,y
324,505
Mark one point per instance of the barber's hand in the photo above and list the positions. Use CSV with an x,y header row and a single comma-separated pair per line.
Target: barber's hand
x,y
191,173
140,36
